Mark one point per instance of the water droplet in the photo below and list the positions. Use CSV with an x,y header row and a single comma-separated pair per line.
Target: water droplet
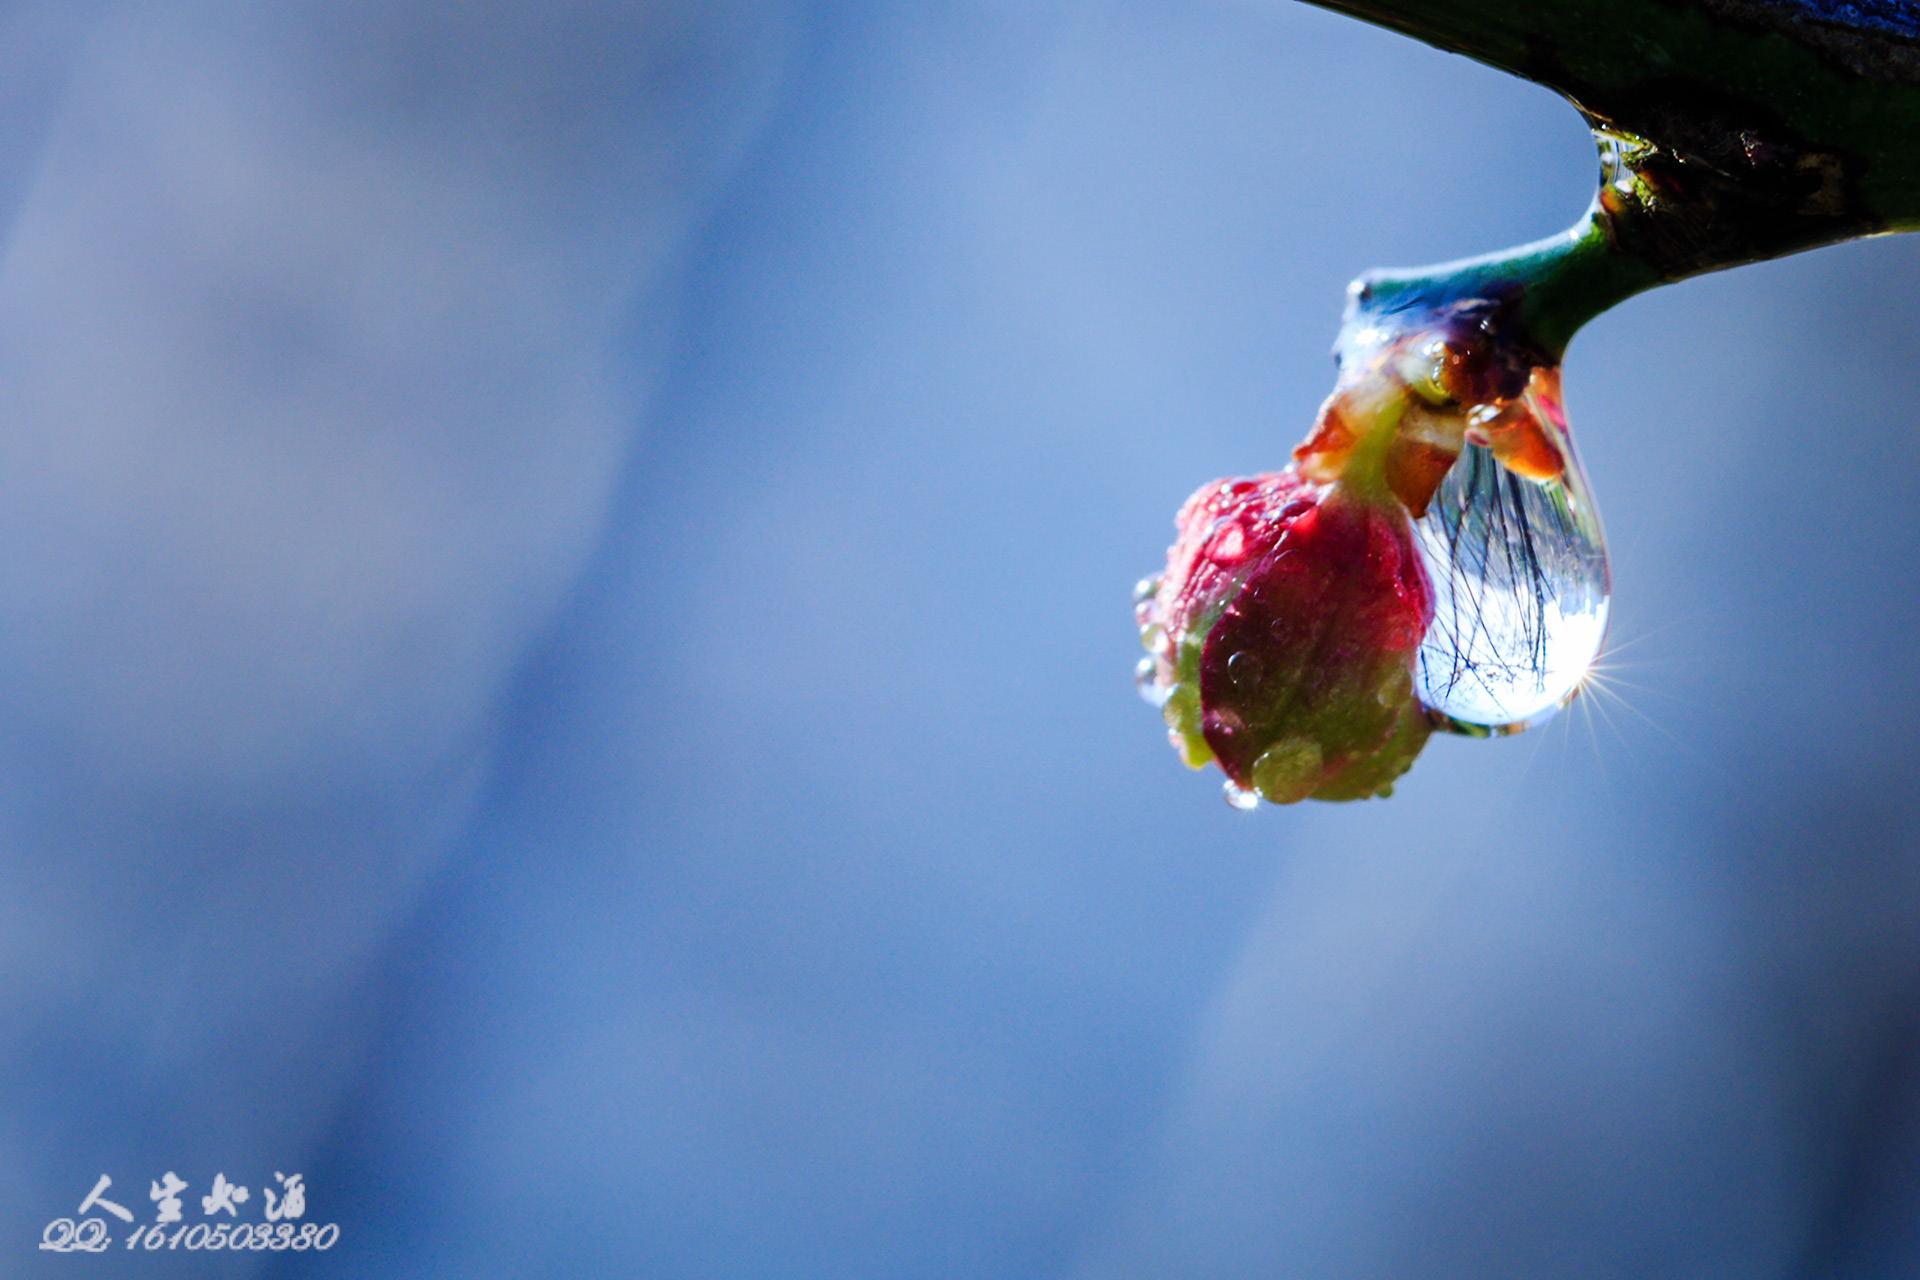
x,y
1288,771
1228,545
1244,670
1146,686
1239,797
1146,589
1521,590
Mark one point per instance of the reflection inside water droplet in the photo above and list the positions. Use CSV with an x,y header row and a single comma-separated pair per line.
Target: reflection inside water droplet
x,y
1239,797
1521,591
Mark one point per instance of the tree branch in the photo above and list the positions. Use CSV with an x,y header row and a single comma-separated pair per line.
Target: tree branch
x,y
1729,131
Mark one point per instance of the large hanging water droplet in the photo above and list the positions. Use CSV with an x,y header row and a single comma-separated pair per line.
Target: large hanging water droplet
x,y
1520,585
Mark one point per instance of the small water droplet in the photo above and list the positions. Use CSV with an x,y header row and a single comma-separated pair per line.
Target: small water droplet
x,y
1521,591
1144,683
1244,670
1146,589
1238,797
1228,545
1180,706
1288,771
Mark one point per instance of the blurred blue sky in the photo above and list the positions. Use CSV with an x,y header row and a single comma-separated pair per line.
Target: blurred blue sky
x,y
566,652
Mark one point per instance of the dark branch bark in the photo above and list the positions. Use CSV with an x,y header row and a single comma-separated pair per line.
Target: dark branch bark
x,y
1731,130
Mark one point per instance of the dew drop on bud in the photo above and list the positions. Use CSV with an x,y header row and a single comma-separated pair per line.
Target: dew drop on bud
x,y
1288,771
1520,592
1239,797
1146,686
1244,670
1228,545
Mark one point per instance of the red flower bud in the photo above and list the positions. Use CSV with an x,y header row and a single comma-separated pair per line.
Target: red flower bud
x,y
1283,637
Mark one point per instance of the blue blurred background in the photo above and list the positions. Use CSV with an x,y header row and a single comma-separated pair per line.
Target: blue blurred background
x,y
565,651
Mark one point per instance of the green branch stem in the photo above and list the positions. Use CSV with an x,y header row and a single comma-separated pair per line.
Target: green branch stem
x,y
1729,131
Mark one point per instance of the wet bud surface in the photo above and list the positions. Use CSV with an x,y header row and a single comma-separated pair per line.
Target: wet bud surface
x,y
1283,637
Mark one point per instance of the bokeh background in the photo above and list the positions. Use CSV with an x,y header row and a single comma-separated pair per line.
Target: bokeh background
x,y
565,648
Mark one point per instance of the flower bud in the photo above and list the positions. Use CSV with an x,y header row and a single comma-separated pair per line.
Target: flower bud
x,y
1283,636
